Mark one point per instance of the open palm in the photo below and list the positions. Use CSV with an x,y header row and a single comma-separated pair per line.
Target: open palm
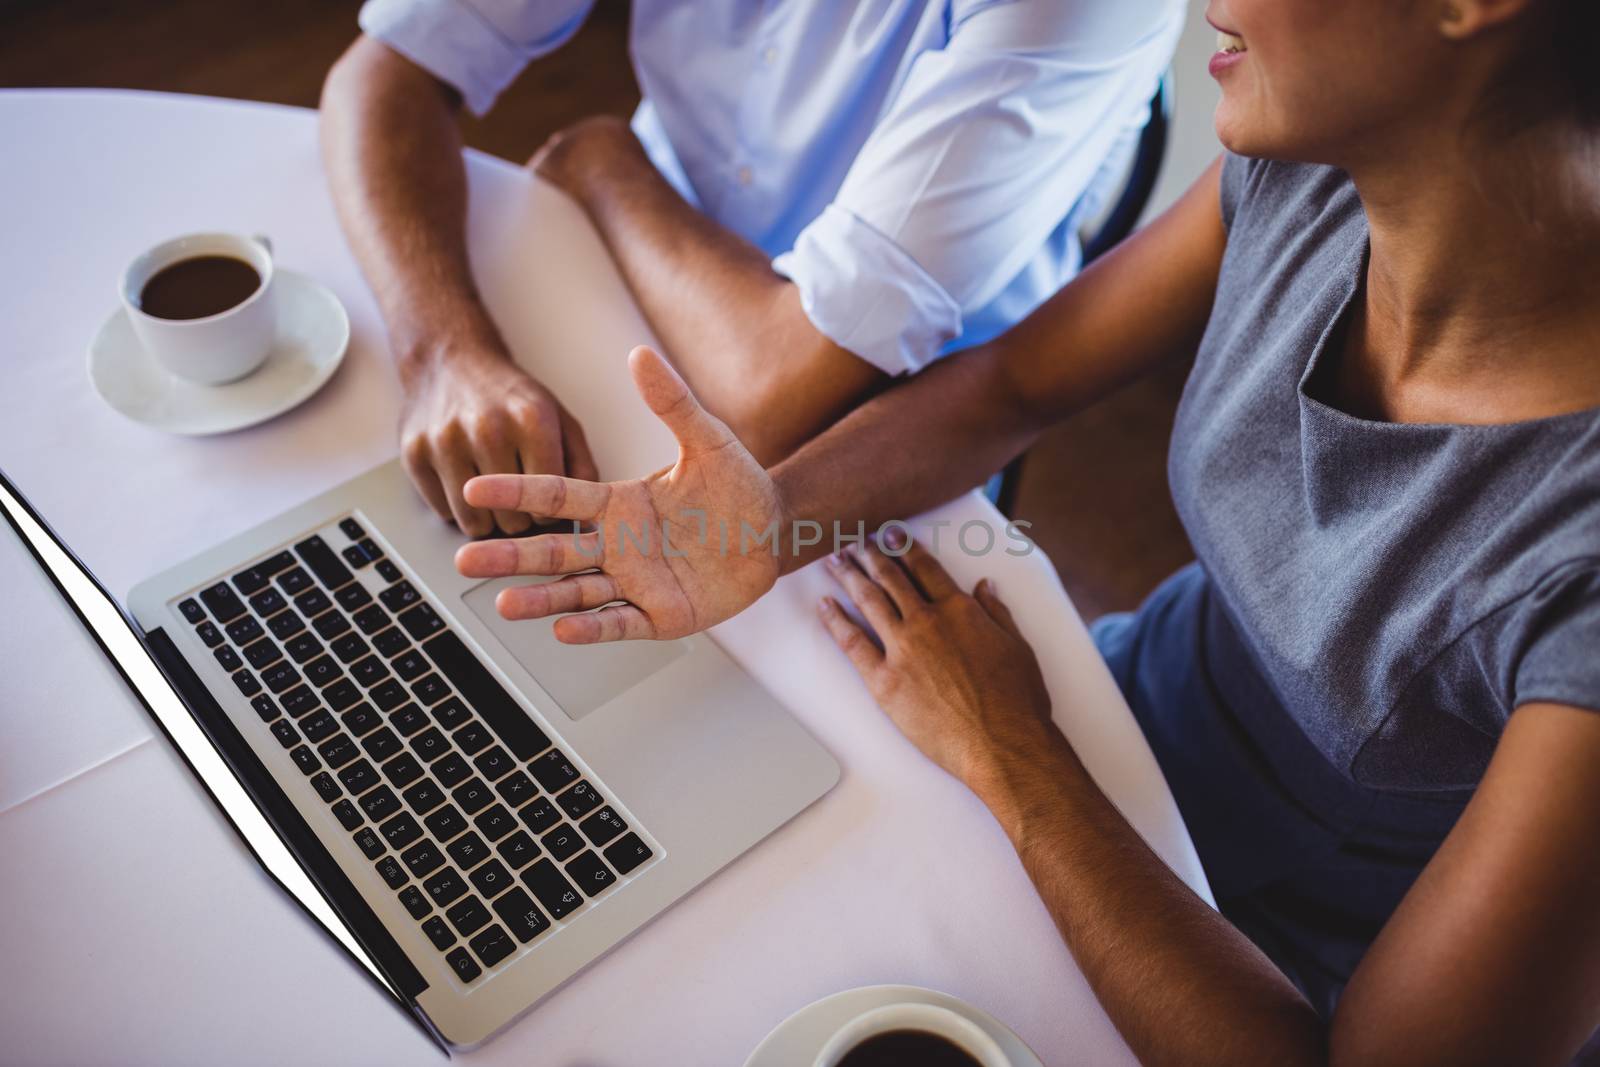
x,y
663,556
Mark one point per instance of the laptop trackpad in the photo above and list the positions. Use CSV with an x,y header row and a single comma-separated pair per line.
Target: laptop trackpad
x,y
579,677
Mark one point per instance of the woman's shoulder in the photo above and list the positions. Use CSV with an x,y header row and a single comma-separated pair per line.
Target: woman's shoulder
x,y
1269,193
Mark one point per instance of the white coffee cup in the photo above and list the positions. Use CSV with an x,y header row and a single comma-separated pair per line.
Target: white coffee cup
x,y
217,348
960,1031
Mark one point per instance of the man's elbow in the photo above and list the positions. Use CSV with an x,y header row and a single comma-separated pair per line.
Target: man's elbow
x,y
369,66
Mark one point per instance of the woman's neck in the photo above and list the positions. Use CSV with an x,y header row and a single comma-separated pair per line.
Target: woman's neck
x,y
1479,300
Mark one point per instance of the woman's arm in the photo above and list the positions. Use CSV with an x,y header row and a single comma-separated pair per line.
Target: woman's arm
x,y
1492,958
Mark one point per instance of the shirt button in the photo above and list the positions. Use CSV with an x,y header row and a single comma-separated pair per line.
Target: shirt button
x,y
744,176
769,55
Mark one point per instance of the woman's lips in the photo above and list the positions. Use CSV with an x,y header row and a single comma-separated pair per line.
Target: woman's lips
x,y
1230,50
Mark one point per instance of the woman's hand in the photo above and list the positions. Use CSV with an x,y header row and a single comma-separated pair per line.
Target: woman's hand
x,y
951,670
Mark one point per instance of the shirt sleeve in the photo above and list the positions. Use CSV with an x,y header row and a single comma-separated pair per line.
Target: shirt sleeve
x,y
983,152
1559,642
476,46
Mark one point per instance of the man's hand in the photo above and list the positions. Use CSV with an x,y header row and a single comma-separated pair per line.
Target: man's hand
x,y
473,411
683,549
951,670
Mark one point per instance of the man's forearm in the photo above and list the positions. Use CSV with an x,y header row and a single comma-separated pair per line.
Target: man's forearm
x,y
393,153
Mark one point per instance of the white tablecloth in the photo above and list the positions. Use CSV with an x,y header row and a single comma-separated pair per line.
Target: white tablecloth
x,y
136,929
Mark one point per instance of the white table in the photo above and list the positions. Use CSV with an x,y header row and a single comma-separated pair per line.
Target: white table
x,y
134,926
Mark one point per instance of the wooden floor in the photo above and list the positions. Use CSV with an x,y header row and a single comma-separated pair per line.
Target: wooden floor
x,y
1094,489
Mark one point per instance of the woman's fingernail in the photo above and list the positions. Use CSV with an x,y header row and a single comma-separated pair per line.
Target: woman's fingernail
x,y
894,537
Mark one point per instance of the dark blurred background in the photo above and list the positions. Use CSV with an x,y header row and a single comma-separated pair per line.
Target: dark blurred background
x,y
1094,489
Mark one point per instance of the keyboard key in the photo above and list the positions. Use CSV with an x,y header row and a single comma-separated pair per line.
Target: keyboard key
x,y
415,902
305,759
341,694
312,602
472,795
371,619
268,602
430,744
495,822
379,804
391,642
430,688
370,549
361,719
322,671
338,750
223,603
516,788
388,571
294,581
399,596
450,713
627,852
518,911
445,823
562,842
353,597
423,859
493,945
579,801
387,695
491,878
368,841
391,872
400,831
451,770
541,815
440,934
402,770
485,695
467,915
424,796
228,658
602,826
354,556
298,700
281,675
421,622
316,554
326,787
410,665
553,771
264,707
358,777
242,631
319,725
381,744
261,652
247,683
209,634
285,624
518,850
591,875
302,647
468,850
369,671
352,529
552,888
348,647
463,964
250,580
346,813
472,738
191,609
494,764
407,720
444,887
285,733
330,624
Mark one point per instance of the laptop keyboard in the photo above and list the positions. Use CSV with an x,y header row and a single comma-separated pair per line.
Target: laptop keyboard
x,y
485,831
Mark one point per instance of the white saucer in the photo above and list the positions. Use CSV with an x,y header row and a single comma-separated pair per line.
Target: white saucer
x,y
798,1039
313,333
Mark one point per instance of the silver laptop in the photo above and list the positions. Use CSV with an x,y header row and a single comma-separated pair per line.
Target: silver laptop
x,y
473,810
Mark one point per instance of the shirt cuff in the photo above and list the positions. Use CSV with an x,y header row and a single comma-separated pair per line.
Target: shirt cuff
x,y
867,295
449,40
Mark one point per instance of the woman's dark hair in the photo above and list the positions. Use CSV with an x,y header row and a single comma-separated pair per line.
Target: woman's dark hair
x,y
1577,40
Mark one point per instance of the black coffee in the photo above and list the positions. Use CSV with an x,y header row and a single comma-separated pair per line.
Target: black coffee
x,y
907,1048
200,286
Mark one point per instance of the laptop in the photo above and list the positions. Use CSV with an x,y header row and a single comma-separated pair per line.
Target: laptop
x,y
472,810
